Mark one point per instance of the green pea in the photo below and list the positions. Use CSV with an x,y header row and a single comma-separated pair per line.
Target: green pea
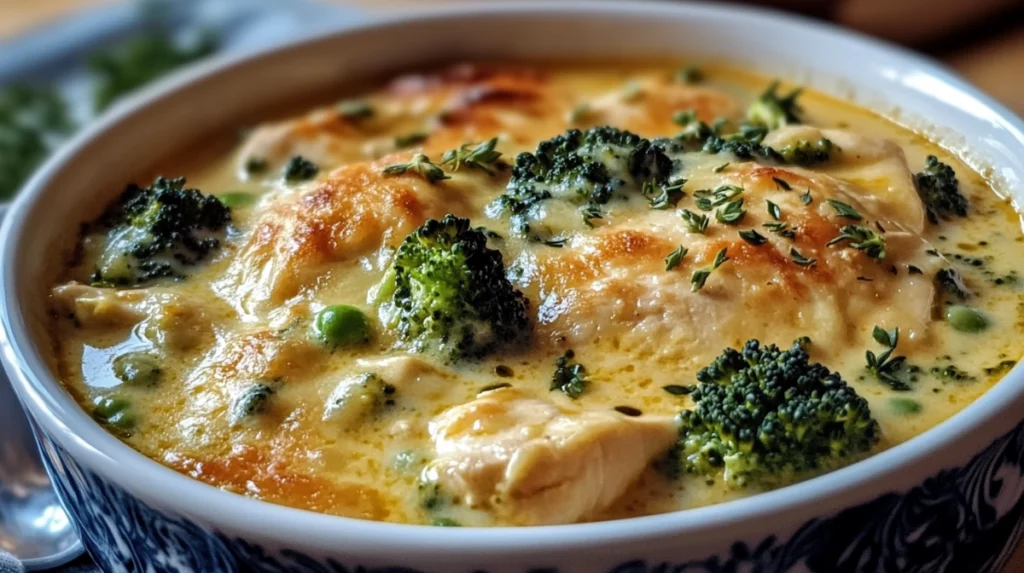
x,y
342,325
114,411
138,369
966,319
236,199
905,405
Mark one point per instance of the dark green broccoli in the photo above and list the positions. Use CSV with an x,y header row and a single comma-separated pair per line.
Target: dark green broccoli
x,y
763,414
746,143
157,231
585,168
446,293
773,110
939,190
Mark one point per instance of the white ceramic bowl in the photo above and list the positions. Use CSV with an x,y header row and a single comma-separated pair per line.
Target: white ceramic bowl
x,y
950,499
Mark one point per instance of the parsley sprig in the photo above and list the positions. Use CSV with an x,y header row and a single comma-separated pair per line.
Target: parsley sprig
x,y
885,366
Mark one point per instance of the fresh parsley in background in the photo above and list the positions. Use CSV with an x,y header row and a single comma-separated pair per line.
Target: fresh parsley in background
x,y
34,119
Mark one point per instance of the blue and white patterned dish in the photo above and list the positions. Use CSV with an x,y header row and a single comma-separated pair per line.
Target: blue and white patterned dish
x,y
949,500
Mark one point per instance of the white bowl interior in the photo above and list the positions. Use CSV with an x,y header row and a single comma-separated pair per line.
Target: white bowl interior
x,y
178,112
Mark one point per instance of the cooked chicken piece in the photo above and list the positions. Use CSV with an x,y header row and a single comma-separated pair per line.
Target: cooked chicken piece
x,y
875,165
611,286
170,319
352,214
533,463
648,108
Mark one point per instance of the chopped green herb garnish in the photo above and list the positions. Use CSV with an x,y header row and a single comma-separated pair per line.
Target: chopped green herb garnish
x,y
665,196
781,229
421,165
483,156
782,184
355,110
844,210
707,199
629,411
732,213
590,212
410,139
690,75
679,390
696,223
753,237
675,257
905,405
700,276
774,210
800,259
806,197
255,165
570,376
495,386
721,167
885,366
862,239
632,92
299,168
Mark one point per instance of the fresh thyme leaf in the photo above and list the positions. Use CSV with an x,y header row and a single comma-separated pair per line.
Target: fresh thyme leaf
x,y
590,211
663,197
421,165
556,242
696,223
355,109
800,259
679,389
700,276
886,367
721,167
914,270
862,239
806,197
570,377
675,257
731,213
753,237
707,199
781,229
299,168
774,210
782,184
690,75
410,139
950,281
484,156
844,210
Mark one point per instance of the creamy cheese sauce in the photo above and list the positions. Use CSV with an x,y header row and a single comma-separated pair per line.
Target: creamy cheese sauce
x,y
246,315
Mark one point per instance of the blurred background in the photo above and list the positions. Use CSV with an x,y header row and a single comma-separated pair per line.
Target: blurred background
x,y
63,61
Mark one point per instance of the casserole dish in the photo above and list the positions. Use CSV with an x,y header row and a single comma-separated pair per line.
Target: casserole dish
x,y
949,499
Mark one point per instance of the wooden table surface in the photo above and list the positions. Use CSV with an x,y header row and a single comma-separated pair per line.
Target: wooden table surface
x,y
994,62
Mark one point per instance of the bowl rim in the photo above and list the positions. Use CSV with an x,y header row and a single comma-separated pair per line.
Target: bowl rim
x,y
47,402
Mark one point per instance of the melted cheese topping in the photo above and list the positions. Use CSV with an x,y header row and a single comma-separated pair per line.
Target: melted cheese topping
x,y
441,446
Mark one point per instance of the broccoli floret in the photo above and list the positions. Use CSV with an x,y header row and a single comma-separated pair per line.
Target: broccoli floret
x,y
773,110
581,168
446,293
764,413
157,231
939,190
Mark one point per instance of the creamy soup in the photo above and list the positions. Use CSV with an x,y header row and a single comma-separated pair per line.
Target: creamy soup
x,y
502,294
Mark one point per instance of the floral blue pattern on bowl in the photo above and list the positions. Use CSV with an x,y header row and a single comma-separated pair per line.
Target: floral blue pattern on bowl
x,y
966,519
